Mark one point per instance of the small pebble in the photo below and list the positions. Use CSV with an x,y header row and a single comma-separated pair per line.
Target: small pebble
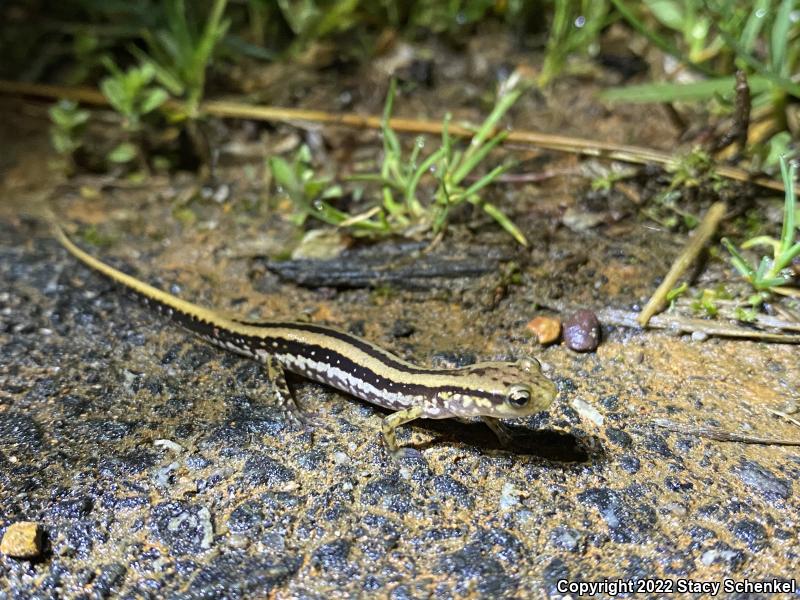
x,y
22,540
587,411
402,329
582,331
509,496
699,336
547,329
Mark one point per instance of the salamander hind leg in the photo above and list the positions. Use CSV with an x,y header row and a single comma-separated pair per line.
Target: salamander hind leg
x,y
286,401
390,425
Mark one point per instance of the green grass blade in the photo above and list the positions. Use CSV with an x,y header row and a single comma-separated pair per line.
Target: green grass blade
x,y
373,178
470,162
787,257
503,221
754,23
738,261
780,38
762,270
648,32
781,82
788,231
763,240
682,92
486,180
411,189
488,127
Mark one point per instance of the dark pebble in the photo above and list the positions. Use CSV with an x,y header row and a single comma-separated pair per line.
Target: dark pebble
x,y
618,437
260,469
610,402
762,480
371,584
332,556
19,430
109,576
565,384
236,575
312,460
402,329
676,485
750,532
388,492
630,463
196,357
656,443
82,536
171,354
554,572
358,328
452,359
700,534
448,488
582,331
401,592
478,572
248,516
196,461
72,508
627,520
570,414
181,526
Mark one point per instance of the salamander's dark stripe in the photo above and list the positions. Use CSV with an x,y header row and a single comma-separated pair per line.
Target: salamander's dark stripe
x,y
249,345
332,356
389,359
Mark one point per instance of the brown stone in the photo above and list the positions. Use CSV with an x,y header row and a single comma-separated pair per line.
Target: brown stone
x,y
582,331
547,329
22,540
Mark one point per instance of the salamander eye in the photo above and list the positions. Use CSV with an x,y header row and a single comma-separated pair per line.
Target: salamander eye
x,y
518,395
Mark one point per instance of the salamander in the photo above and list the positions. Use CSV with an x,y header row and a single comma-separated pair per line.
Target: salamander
x,y
489,390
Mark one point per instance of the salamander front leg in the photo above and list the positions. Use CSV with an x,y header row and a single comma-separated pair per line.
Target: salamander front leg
x,y
500,430
392,422
286,401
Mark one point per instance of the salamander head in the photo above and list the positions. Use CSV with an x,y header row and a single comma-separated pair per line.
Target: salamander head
x,y
504,390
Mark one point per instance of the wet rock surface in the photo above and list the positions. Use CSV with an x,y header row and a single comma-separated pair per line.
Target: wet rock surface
x,y
162,467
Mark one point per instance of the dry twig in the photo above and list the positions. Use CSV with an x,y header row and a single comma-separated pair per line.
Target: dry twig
x,y
715,433
222,108
701,235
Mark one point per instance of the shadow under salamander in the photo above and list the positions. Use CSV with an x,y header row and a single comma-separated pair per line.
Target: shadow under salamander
x,y
556,446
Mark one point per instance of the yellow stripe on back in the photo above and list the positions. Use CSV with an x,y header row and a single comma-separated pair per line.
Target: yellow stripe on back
x,y
141,287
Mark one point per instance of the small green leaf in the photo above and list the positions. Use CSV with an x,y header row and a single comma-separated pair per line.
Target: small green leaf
x,y
123,153
112,89
677,291
154,97
283,173
669,13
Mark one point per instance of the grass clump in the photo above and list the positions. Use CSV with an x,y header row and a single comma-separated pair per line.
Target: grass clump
x,y
770,274
417,191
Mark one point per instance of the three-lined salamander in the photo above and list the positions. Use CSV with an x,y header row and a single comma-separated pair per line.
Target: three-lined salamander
x,y
491,390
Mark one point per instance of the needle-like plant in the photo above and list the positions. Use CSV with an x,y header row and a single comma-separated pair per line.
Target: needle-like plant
x,y
417,192
769,275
